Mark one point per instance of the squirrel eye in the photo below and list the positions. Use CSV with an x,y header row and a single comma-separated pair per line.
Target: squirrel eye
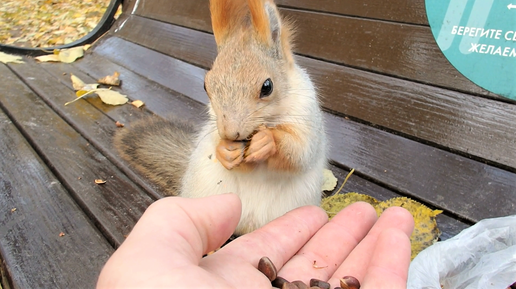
x,y
267,88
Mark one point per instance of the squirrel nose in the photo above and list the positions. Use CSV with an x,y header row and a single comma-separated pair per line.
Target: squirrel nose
x,y
232,135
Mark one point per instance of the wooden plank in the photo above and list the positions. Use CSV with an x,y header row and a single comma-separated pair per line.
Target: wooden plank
x,y
174,74
36,208
431,175
404,11
193,46
396,49
472,125
114,207
461,122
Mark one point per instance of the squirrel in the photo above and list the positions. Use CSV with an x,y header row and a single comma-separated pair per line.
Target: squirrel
x,y
264,139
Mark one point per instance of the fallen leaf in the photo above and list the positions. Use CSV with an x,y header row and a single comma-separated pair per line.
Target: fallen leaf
x,y
119,124
138,103
48,58
329,181
99,182
110,79
13,210
9,58
81,87
425,231
71,54
62,234
111,97
77,83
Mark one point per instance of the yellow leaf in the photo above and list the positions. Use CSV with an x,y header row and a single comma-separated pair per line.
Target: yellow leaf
x,y
80,93
77,83
48,58
329,181
111,97
425,232
137,103
71,54
8,58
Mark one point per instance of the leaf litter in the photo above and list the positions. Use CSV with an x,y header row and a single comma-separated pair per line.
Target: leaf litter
x,y
45,23
107,95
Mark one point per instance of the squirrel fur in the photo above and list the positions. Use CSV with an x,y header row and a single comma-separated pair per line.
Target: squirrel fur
x,y
264,139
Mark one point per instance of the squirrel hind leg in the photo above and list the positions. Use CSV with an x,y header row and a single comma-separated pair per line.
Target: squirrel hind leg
x,y
159,149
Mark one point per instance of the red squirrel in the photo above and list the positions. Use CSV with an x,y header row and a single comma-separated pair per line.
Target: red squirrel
x,y
264,139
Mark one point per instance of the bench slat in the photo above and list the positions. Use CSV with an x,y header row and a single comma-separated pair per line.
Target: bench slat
x,y
405,11
460,188
462,122
114,207
36,208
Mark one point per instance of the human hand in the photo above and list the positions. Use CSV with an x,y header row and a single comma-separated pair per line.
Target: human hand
x,y
166,246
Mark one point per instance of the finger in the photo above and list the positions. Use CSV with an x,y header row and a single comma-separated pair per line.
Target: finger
x,y
188,228
326,251
357,263
391,259
279,240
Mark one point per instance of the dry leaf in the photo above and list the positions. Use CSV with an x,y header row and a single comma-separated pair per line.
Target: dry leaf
x,y
8,58
13,210
329,181
48,58
119,124
111,97
99,182
137,103
81,87
71,54
110,79
62,234
77,83
425,231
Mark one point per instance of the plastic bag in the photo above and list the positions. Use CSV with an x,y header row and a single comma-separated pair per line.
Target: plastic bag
x,y
482,256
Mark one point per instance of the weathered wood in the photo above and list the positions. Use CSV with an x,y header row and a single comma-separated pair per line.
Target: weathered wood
x,y
461,122
36,209
396,49
404,11
432,175
114,207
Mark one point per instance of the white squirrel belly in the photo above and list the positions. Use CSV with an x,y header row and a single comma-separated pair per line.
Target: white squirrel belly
x,y
265,194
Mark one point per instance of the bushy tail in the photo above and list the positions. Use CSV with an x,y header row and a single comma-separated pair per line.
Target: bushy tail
x,y
158,148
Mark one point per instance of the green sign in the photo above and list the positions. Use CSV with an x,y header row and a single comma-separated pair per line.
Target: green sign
x,y
478,37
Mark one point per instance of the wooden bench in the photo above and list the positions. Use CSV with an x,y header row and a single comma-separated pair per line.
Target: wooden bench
x,y
396,111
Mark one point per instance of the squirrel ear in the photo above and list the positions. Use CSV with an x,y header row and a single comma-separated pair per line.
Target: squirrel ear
x,y
270,29
266,20
226,15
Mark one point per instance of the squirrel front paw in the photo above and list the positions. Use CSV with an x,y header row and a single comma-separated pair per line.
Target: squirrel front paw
x,y
262,146
230,153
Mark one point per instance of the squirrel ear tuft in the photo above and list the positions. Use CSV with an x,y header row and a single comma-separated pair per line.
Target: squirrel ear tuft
x,y
266,20
226,16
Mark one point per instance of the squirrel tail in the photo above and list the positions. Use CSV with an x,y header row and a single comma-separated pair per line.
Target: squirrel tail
x,y
158,148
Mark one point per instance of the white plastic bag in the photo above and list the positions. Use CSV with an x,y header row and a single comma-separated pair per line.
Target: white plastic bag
x,y
482,256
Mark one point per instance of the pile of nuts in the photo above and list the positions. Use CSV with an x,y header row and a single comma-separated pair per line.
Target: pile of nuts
x,y
268,269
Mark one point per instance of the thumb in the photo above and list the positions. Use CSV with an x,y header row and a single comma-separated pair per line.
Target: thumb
x,y
175,231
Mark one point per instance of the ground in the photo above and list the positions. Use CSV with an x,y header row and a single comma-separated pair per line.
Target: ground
x,y
45,23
